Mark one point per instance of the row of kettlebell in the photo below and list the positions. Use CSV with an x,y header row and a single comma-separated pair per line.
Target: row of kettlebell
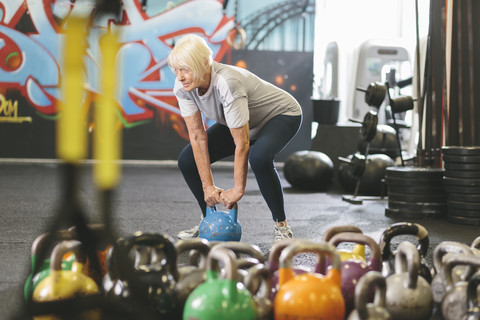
x,y
165,285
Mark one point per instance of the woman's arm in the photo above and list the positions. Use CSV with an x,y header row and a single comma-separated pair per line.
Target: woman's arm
x,y
241,137
199,141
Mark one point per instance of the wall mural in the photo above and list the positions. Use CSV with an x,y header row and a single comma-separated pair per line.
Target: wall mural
x,y
31,40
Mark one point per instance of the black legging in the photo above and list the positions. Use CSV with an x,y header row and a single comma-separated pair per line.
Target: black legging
x,y
273,137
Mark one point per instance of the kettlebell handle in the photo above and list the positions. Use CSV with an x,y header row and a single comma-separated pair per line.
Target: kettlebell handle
x,y
39,242
447,247
276,250
366,282
227,257
233,213
320,248
375,260
338,229
197,244
125,245
64,247
407,259
257,275
457,259
240,248
476,243
403,228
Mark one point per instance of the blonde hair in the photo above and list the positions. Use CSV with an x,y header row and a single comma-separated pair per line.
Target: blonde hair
x,y
191,52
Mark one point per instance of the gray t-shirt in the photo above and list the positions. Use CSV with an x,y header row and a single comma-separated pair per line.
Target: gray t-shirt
x,y
237,96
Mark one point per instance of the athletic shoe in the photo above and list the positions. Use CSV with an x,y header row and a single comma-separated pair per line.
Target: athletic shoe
x,y
188,234
282,232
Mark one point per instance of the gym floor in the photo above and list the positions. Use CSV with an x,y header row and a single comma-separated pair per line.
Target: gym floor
x,y
152,197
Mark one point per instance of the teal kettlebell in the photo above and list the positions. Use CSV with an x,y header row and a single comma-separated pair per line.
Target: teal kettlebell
x,y
220,298
221,225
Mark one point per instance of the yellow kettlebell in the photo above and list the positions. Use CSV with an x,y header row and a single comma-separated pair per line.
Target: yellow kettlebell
x,y
65,284
358,251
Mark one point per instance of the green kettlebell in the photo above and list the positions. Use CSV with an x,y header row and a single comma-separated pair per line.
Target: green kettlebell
x,y
33,280
220,298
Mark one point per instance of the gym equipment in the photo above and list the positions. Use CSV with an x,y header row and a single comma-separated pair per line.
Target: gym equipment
x,y
408,295
353,270
259,282
459,273
374,94
34,279
193,274
415,192
274,260
309,295
462,183
369,311
358,251
64,284
221,225
374,58
364,175
220,297
247,255
152,281
383,142
455,302
403,229
309,170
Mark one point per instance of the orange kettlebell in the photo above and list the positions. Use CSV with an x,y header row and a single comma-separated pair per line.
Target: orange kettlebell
x,y
309,295
65,284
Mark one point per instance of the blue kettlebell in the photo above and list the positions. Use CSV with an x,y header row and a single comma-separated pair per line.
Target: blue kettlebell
x,y
221,225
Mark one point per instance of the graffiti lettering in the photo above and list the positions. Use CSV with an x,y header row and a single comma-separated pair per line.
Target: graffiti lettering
x,y
9,111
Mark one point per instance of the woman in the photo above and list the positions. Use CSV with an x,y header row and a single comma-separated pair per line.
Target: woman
x,y
254,121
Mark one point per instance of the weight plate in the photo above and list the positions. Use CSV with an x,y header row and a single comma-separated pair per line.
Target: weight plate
x,y
461,159
461,189
463,220
414,172
457,150
463,197
418,206
462,174
448,181
414,189
441,197
463,212
413,182
409,214
462,166
462,205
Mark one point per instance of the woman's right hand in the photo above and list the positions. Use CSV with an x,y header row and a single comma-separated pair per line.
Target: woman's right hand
x,y
212,195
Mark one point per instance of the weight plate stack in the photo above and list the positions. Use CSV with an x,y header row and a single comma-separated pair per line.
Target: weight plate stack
x,y
462,183
415,193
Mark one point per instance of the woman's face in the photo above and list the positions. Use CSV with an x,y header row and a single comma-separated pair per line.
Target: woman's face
x,y
185,76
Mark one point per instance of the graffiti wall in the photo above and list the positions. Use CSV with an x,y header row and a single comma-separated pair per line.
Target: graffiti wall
x,y
31,38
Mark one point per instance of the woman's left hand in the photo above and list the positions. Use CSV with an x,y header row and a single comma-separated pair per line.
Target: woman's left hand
x,y
229,197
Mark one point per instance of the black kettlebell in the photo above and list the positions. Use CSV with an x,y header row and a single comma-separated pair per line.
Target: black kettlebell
x,y
149,279
405,228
